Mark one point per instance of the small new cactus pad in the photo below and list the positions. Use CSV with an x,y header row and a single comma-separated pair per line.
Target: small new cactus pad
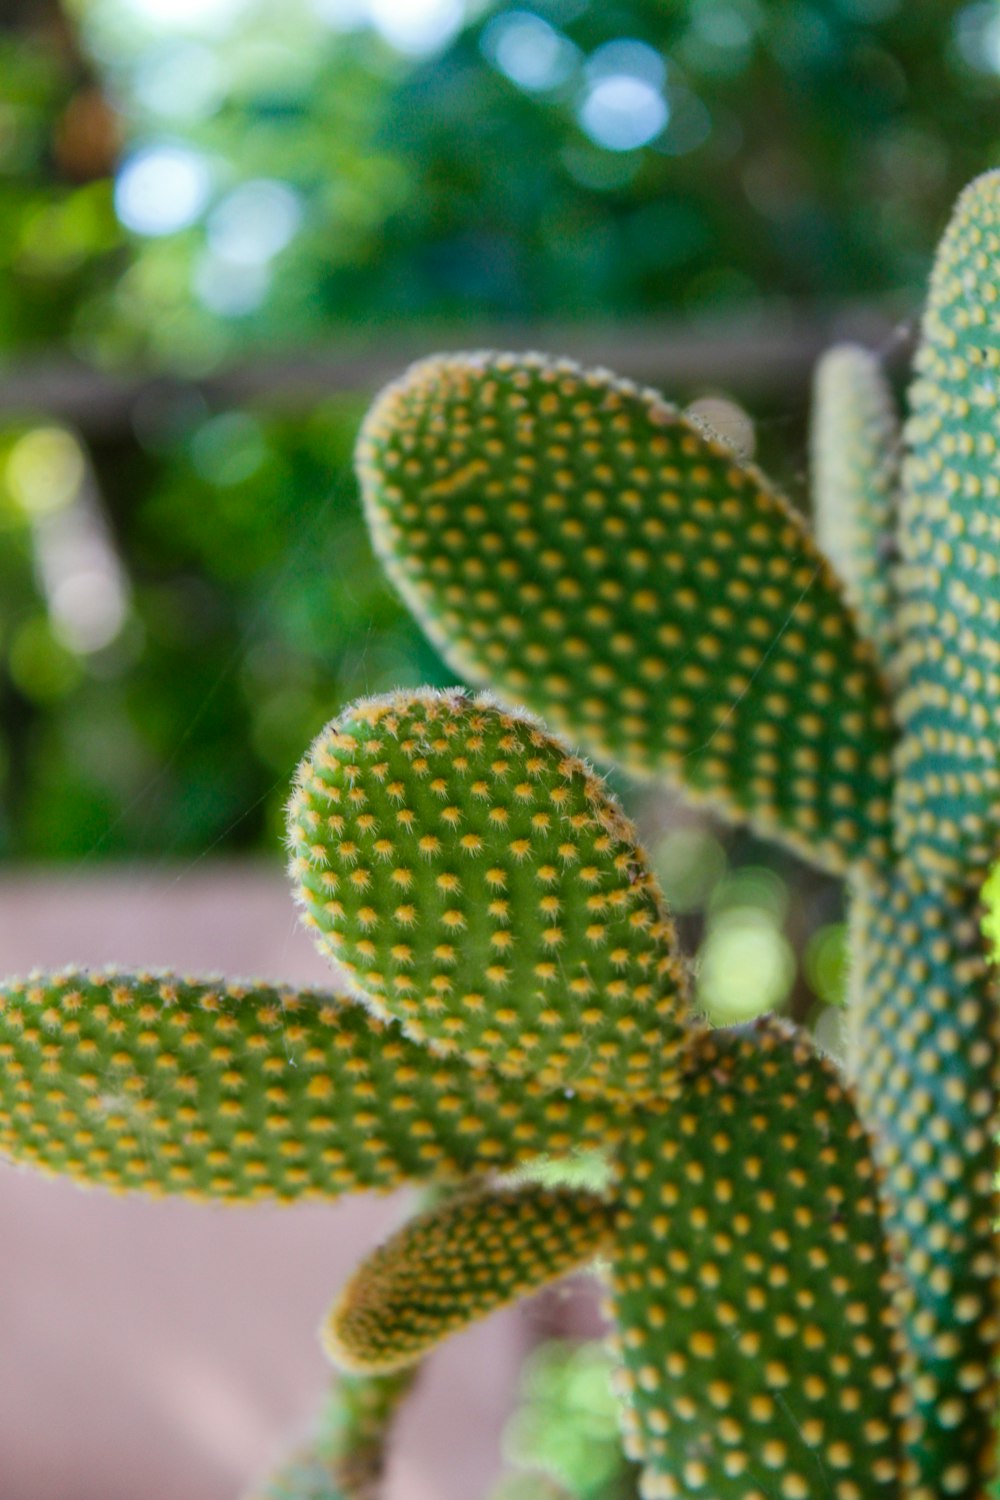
x,y
577,544
242,1091
456,1264
347,1456
855,480
750,1285
925,1040
477,881
948,787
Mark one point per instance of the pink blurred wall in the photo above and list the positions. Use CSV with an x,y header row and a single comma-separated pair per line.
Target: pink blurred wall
x,y
167,1351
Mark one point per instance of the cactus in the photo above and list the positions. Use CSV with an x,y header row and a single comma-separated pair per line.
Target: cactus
x,y
767,1344
855,481
947,794
718,1251
457,1263
466,465
801,1265
577,545
245,1092
924,1052
477,883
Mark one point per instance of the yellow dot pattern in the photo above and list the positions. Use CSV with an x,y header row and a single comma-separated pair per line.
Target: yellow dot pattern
x,y
924,1050
241,1091
456,1264
476,880
855,478
346,1457
575,543
948,786
750,1285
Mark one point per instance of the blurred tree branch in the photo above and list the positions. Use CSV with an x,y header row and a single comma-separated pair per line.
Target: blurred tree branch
x,y
771,355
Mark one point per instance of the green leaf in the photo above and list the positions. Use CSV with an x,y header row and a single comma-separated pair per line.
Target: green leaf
x,y
924,1051
948,788
575,543
478,882
855,479
456,1264
751,1286
242,1091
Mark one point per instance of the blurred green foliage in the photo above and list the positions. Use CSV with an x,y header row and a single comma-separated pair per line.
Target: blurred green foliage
x,y
562,1439
287,170
558,158
255,608
189,182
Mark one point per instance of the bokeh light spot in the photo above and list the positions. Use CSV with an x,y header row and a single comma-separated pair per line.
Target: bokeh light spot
x,y
417,27
187,15
161,189
88,609
688,862
825,962
254,222
231,291
722,25
629,58
752,886
528,51
44,470
977,36
621,112
345,15
182,81
745,966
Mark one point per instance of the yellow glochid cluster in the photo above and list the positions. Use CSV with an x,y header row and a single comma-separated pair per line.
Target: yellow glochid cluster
x,y
457,1263
576,544
163,1084
476,880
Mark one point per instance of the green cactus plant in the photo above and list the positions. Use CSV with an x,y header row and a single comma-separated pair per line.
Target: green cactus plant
x,y
801,1266
577,545
456,1263
855,480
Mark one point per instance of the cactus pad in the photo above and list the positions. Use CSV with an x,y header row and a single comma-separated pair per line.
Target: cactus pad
x,y
925,1056
855,478
575,543
456,1264
221,1090
948,790
751,1287
477,881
